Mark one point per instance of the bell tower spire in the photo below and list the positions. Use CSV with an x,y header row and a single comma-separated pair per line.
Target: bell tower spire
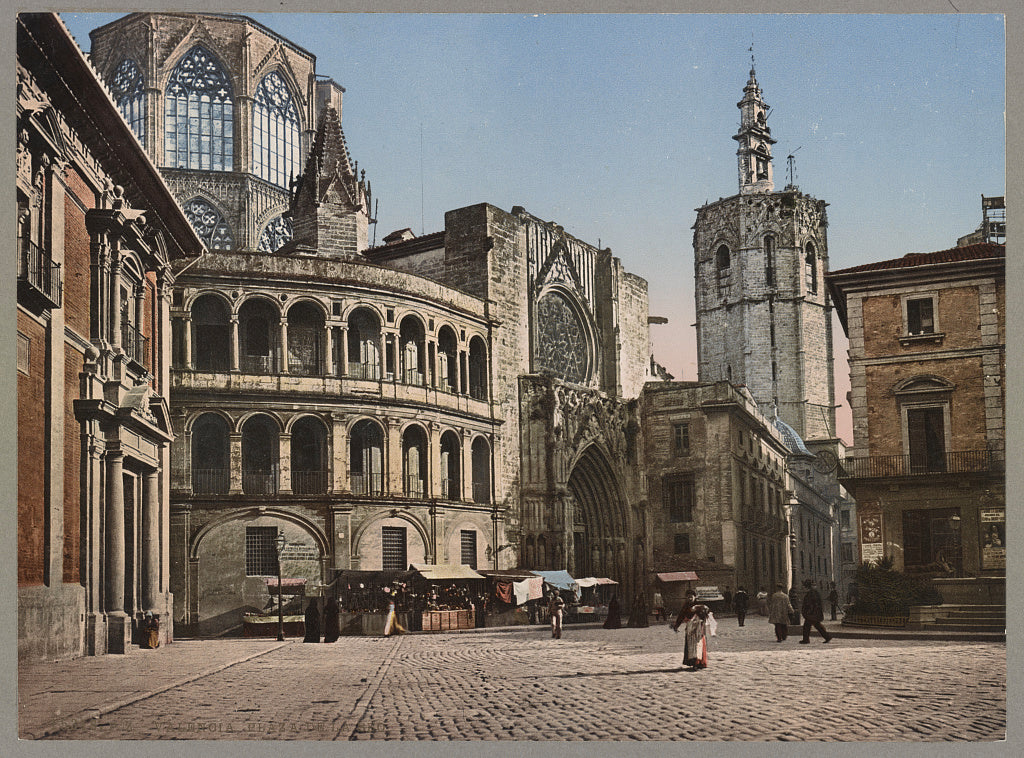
x,y
754,154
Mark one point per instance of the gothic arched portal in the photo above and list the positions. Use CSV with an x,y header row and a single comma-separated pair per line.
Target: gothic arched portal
x,y
600,525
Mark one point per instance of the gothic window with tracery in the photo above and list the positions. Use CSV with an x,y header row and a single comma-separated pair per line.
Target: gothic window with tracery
x,y
129,93
275,132
199,114
562,345
277,232
210,226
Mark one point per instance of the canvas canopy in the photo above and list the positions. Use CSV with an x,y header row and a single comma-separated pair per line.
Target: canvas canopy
x,y
593,581
443,571
560,580
678,576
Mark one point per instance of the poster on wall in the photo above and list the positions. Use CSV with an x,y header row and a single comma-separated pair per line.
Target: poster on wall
x,y
992,533
871,547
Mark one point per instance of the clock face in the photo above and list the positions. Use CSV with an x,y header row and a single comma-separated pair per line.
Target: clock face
x,y
825,461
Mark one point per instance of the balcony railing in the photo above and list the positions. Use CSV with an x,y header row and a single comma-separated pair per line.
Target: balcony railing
x,y
259,482
309,482
450,489
366,484
134,343
411,376
300,367
257,364
364,370
958,462
481,492
211,481
38,276
413,486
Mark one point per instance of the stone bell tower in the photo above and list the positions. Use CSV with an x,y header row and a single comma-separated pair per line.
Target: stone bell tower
x,y
763,312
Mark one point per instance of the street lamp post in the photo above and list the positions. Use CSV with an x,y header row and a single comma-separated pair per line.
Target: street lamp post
x,y
954,521
280,595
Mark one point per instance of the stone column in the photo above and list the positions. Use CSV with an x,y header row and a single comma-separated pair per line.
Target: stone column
x,y
234,343
343,352
339,454
329,368
284,463
467,467
395,467
115,296
118,623
187,332
150,540
432,487
283,368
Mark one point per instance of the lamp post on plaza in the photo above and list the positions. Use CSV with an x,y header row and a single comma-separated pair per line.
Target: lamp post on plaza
x,y
954,522
280,597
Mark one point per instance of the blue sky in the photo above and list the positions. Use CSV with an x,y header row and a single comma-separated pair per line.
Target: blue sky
x,y
618,126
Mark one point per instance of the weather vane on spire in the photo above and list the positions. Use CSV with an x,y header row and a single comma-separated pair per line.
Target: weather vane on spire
x,y
751,51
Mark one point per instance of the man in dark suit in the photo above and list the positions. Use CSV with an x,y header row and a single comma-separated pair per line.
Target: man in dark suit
x,y
813,613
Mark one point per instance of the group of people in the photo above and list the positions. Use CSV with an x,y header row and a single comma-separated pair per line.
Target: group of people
x,y
330,620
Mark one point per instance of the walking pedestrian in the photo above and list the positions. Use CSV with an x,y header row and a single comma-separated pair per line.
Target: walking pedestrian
x,y
727,597
556,607
614,620
696,620
762,602
391,625
833,600
794,601
739,601
312,622
813,614
659,607
332,629
779,611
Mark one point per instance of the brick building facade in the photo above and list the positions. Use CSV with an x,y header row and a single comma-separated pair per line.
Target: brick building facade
x,y
927,368
98,231
460,397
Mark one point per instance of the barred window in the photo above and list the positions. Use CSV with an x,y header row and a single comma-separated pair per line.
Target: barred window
x,y
681,543
128,90
679,496
393,548
469,548
275,132
210,226
277,232
261,551
199,114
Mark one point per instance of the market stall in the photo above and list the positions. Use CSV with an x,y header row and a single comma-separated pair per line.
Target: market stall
x,y
595,594
562,583
290,597
512,596
364,597
451,593
673,585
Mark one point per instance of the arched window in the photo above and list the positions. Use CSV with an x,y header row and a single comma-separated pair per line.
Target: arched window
x,y
129,93
481,471
199,114
277,232
366,456
769,261
451,467
722,257
309,457
210,455
305,338
414,458
447,360
258,327
275,132
364,344
412,347
477,369
811,263
210,226
211,334
260,438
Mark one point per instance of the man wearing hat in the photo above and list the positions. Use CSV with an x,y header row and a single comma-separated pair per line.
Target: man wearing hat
x,y
813,614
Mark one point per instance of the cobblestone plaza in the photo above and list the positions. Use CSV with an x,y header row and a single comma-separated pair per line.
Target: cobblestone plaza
x,y
593,684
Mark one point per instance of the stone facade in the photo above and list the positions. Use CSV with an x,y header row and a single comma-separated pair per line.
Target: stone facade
x,y
465,388
98,232
927,367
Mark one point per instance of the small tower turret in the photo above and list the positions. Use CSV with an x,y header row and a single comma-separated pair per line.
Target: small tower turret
x,y
754,154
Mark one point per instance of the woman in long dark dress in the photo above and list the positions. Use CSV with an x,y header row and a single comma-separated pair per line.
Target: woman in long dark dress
x,y
332,629
613,621
312,623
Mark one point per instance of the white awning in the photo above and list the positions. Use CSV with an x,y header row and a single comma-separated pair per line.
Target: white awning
x,y
444,571
592,581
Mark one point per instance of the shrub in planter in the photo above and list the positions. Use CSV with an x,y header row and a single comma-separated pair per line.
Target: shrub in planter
x,y
882,591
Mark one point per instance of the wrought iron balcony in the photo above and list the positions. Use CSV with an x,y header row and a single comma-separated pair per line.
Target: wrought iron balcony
x,y
259,482
211,481
958,462
450,489
134,344
39,281
309,482
414,486
364,370
481,492
366,484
